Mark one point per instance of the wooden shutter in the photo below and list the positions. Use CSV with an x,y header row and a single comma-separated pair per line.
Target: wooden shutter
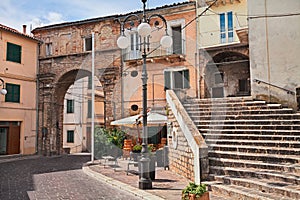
x,y
13,52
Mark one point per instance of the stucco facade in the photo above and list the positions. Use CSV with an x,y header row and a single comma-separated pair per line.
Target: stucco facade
x,y
222,35
274,41
77,119
18,106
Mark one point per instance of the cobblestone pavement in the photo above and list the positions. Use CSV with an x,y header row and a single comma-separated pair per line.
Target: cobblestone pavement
x,y
58,177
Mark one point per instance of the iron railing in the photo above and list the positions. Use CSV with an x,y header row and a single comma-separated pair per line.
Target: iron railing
x,y
287,90
154,49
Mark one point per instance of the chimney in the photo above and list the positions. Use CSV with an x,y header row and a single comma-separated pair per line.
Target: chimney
x,y
24,29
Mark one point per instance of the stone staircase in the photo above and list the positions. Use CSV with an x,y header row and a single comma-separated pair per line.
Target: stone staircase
x,y
254,147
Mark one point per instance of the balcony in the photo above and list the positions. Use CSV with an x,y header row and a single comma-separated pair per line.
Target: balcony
x,y
154,49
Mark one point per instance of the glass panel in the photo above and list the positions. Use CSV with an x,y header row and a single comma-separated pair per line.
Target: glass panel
x,y
186,79
88,44
222,22
230,21
167,80
178,79
177,40
3,140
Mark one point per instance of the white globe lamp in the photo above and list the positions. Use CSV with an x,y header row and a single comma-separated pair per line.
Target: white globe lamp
x,y
166,41
123,42
3,91
144,29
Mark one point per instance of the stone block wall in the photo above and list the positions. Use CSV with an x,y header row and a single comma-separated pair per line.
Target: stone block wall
x,y
181,157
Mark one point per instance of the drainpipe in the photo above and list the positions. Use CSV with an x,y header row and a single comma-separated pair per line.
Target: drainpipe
x,y
268,50
37,99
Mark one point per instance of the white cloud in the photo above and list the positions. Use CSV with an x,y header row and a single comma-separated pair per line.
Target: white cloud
x,y
54,17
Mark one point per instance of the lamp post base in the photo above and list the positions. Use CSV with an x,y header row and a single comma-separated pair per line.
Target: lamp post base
x,y
145,184
145,181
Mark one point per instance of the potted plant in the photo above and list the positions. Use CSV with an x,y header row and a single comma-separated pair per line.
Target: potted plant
x,y
136,151
195,192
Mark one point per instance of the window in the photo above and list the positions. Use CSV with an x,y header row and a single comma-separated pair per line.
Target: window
x,y
70,106
177,40
226,35
48,49
88,44
70,136
13,93
177,79
89,111
13,52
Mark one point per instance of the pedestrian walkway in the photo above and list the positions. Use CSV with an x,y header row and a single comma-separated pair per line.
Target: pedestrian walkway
x,y
167,185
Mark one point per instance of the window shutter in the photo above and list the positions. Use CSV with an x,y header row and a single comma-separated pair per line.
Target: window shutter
x,y
186,78
89,109
13,52
13,93
167,76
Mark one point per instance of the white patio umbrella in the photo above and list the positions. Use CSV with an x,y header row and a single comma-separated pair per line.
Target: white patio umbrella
x,y
153,118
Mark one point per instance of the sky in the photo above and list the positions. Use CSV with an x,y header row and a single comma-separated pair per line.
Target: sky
x,y
35,13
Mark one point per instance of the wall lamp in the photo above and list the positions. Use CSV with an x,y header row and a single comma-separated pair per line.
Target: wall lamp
x,y
3,90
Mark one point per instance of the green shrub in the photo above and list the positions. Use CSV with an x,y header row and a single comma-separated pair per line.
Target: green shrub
x,y
193,188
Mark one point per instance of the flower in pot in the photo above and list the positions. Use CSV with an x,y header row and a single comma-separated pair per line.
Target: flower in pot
x,y
195,192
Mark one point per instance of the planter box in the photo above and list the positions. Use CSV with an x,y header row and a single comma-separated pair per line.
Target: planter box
x,y
205,196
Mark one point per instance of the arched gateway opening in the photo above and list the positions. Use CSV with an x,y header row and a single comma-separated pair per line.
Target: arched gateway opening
x,y
53,88
227,74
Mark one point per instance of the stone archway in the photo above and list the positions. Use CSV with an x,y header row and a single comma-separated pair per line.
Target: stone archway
x,y
55,77
225,72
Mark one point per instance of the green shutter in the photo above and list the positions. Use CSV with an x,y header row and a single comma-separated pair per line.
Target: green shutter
x,y
89,109
13,52
13,93
186,78
90,82
70,106
70,136
167,76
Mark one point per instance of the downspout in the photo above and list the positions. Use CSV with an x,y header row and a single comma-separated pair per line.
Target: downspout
x,y
37,99
268,50
197,63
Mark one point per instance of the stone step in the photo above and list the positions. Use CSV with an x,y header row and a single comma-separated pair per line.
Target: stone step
x,y
265,157
207,116
248,122
267,143
227,162
235,192
256,173
248,126
255,149
281,189
206,108
249,131
220,100
252,137
195,113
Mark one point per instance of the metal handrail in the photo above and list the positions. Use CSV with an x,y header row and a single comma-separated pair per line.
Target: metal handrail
x,y
288,91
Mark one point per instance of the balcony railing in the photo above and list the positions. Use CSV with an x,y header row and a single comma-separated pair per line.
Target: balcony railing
x,y
154,50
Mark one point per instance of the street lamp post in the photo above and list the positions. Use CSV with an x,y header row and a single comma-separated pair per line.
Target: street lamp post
x,y
144,30
3,90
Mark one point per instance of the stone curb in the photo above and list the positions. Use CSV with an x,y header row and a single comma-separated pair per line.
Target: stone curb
x,y
117,184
